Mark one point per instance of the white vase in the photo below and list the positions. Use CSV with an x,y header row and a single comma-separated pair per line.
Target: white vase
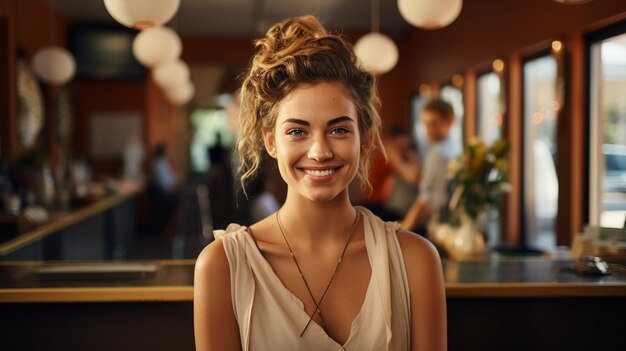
x,y
465,241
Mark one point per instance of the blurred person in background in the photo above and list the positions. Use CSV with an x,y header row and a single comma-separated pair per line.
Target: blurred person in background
x,y
434,193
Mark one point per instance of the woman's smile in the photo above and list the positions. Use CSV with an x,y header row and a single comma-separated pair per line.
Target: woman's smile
x,y
319,172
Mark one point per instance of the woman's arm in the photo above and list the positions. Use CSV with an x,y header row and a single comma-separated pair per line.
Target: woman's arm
x,y
427,293
215,326
416,216
408,169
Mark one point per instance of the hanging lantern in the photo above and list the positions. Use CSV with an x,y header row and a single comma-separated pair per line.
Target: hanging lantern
x,y
180,94
142,14
430,14
156,45
54,65
170,73
377,52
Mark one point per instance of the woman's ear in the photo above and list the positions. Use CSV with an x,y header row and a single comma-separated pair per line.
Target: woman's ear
x,y
270,143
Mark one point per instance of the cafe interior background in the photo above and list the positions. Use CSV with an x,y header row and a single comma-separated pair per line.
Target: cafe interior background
x,y
78,140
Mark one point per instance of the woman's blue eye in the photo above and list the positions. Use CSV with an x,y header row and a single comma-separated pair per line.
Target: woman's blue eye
x,y
340,130
295,132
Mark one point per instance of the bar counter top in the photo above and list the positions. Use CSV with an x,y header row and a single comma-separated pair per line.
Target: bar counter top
x,y
102,281
172,280
63,219
499,276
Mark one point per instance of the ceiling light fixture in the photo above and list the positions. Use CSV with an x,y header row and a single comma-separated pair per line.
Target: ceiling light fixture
x,y
180,94
377,52
54,64
170,73
142,14
430,14
157,45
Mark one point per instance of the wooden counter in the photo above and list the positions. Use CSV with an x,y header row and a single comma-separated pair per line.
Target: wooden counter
x,y
172,280
117,281
492,304
526,277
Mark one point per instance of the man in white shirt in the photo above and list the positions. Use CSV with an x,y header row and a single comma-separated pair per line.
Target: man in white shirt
x,y
438,117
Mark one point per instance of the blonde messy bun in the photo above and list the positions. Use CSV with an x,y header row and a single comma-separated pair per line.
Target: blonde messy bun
x,y
293,52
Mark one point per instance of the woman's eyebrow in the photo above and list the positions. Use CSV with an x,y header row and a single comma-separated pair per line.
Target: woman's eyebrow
x,y
296,121
340,119
306,123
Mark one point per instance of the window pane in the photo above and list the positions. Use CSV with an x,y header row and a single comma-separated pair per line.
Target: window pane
x,y
419,131
210,128
608,128
489,117
489,126
541,187
454,96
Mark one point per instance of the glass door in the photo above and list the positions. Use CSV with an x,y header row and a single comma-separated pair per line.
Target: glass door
x,y
540,182
607,146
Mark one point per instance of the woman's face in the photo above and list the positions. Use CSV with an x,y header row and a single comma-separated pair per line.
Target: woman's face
x,y
316,140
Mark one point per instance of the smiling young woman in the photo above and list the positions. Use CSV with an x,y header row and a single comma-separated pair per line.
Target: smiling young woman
x,y
319,274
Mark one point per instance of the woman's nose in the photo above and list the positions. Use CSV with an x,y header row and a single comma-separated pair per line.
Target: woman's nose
x,y
320,150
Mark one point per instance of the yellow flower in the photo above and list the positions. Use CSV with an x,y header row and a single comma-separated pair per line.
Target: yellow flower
x,y
475,142
501,165
478,161
500,148
480,174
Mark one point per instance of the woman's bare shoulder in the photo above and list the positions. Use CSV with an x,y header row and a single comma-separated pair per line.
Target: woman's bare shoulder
x,y
426,290
212,263
416,249
215,324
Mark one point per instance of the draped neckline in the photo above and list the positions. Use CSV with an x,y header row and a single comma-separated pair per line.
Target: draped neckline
x,y
258,255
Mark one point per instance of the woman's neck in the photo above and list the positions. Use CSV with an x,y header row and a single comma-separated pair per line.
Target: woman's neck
x,y
313,223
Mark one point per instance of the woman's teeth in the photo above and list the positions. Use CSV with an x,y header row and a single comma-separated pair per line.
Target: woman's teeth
x,y
319,173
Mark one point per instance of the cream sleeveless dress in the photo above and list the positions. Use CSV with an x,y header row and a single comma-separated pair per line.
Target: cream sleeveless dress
x,y
270,317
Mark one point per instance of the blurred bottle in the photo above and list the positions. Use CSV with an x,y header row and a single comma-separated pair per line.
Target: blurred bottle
x,y
45,186
63,180
133,157
81,178
10,201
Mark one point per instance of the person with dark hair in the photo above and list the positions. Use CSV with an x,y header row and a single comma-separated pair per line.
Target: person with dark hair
x,y
162,171
262,194
431,203
402,183
163,192
319,273
221,184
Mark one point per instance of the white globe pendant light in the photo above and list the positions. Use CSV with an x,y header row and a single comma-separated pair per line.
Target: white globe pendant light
x,y
54,65
377,52
430,14
170,73
180,94
157,45
142,14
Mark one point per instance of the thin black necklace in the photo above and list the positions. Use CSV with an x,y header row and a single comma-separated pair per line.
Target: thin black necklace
x,y
293,256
